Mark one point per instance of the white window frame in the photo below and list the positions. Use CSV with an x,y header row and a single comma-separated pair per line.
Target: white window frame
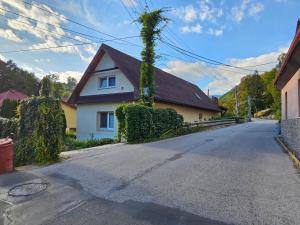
x,y
107,121
107,80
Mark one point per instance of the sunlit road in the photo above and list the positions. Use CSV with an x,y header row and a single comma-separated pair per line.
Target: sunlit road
x,y
233,175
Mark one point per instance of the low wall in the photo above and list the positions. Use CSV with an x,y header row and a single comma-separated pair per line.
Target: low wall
x,y
290,130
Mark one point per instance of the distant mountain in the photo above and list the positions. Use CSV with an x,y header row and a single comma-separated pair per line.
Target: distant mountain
x,y
14,78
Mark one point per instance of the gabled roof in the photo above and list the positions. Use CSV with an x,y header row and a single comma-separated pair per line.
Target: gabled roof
x,y
13,95
291,63
169,88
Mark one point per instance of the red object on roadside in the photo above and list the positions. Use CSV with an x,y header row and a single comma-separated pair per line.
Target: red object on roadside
x,y
6,155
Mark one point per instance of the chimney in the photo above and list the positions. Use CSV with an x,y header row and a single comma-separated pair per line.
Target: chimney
x,y
208,92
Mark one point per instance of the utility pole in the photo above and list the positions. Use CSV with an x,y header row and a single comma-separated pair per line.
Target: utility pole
x,y
249,108
236,102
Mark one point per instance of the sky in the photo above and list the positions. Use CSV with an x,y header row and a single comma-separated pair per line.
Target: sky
x,y
240,33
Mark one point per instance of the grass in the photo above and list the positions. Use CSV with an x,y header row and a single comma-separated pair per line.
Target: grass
x,y
71,143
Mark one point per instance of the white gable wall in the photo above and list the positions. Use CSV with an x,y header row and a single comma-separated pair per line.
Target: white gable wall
x,y
87,121
92,85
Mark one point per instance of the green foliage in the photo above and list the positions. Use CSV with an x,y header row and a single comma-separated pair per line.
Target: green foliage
x,y
150,32
7,127
260,88
14,78
120,114
41,131
72,143
46,87
8,108
140,123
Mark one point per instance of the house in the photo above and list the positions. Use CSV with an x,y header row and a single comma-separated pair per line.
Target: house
x,y
12,95
112,78
70,114
288,81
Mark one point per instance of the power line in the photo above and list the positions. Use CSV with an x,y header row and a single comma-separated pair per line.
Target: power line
x,y
63,46
208,60
73,21
49,32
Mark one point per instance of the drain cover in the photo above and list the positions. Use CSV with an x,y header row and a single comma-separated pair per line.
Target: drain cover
x,y
27,189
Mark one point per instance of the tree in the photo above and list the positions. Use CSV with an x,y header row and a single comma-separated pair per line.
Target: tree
x,y
253,86
46,87
150,32
71,83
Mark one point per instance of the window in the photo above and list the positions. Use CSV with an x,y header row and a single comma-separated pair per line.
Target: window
x,y
200,116
106,120
286,105
197,96
107,82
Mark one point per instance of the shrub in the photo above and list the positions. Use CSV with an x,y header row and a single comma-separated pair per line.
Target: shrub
x,y
41,131
73,144
139,122
8,108
7,127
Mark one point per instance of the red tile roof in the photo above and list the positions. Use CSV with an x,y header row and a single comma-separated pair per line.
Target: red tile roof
x,y
288,67
169,88
13,95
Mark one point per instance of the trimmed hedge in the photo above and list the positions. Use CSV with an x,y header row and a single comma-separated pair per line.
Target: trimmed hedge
x,y
138,123
8,127
40,137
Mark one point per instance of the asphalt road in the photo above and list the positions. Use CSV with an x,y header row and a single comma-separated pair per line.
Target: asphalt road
x,y
234,175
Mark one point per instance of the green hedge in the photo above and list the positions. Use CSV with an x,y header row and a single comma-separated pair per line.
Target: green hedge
x,y
7,127
40,136
138,123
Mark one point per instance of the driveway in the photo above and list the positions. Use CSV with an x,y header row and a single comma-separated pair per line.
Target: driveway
x,y
233,175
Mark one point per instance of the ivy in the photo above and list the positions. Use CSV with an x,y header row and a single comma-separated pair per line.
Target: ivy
x,y
150,32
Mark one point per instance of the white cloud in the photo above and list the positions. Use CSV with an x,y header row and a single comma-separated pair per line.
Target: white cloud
x,y
208,12
187,13
223,78
9,35
256,8
129,3
215,32
3,58
238,12
63,76
191,29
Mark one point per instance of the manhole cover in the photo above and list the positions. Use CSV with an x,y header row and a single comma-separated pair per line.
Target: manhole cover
x,y
27,189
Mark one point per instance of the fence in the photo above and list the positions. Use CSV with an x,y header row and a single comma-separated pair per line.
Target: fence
x,y
213,123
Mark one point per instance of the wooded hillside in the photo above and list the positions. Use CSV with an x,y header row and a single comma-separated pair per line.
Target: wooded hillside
x,y
261,90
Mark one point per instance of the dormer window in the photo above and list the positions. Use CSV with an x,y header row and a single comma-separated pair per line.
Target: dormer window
x,y
197,96
107,82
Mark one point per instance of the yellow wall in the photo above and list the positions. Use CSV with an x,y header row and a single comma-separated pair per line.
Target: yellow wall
x,y
70,114
189,114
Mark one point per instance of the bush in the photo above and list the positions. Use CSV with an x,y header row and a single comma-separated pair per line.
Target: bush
x,y
73,144
41,131
138,123
7,127
8,108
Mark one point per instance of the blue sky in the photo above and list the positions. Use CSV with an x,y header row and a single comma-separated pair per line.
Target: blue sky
x,y
242,33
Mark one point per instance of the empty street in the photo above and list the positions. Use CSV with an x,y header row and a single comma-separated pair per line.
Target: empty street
x,y
233,175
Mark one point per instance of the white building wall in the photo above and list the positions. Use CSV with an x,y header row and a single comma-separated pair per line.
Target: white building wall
x,y
293,101
87,125
92,85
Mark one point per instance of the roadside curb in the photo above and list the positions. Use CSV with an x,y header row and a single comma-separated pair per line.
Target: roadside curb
x,y
292,154
82,150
